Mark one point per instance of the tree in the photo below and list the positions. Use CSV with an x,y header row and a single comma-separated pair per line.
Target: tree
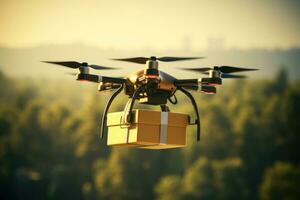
x,y
290,137
198,181
228,179
169,188
281,181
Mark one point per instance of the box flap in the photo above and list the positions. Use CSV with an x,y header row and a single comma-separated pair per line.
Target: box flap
x,y
114,118
149,117
178,119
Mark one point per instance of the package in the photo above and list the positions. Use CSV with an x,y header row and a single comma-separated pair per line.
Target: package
x,y
149,129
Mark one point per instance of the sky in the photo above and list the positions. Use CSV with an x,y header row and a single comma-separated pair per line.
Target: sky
x,y
156,24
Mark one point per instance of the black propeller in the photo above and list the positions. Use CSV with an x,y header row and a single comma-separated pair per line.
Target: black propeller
x,y
223,69
224,75
71,73
232,76
75,65
143,60
231,69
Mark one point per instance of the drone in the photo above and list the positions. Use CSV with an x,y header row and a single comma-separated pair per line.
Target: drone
x,y
152,86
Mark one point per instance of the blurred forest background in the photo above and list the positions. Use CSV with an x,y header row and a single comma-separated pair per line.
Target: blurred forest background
x,y
50,124
50,147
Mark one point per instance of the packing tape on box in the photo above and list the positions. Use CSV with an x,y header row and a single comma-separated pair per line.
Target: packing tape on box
x,y
127,135
164,116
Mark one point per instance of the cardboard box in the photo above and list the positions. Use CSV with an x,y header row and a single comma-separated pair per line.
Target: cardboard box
x,y
150,129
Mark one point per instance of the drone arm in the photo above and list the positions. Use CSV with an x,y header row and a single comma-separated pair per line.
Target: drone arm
x,y
104,117
112,80
190,96
98,79
195,84
186,82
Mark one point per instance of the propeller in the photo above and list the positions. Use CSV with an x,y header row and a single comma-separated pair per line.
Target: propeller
x,y
75,65
71,73
224,75
143,60
223,69
232,76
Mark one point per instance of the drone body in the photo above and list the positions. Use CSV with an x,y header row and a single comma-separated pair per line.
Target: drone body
x,y
153,86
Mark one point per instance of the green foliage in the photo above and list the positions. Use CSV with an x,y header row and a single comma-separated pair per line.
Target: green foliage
x,y
50,148
198,181
169,188
229,183
281,181
205,179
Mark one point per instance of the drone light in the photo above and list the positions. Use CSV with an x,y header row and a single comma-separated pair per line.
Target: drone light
x,y
79,78
207,89
151,76
151,73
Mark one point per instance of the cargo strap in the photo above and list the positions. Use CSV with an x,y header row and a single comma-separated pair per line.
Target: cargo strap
x,y
127,114
164,108
163,127
127,135
126,118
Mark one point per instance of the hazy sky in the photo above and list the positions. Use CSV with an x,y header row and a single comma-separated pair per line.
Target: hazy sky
x,y
156,24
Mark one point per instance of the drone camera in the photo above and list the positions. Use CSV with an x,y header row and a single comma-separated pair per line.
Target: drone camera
x,y
153,95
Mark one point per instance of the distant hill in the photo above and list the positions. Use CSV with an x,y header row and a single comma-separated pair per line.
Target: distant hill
x,y
25,62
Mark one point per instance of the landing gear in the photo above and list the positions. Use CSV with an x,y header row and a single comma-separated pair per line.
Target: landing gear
x,y
127,115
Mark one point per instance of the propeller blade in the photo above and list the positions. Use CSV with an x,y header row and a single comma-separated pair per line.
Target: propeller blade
x,y
201,69
143,60
172,59
71,73
139,60
233,76
70,64
231,69
223,69
75,65
98,67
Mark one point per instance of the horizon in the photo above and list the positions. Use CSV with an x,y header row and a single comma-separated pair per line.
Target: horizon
x,y
25,62
137,25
